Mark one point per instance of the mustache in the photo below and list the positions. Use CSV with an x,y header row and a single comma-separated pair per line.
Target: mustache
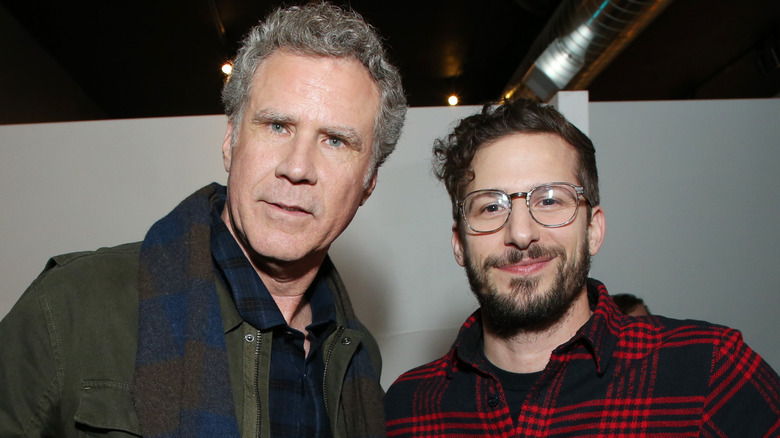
x,y
514,255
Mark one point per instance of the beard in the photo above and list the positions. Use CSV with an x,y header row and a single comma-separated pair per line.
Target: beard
x,y
524,307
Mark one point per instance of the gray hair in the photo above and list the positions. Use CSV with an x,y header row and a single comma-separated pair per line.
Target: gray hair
x,y
321,29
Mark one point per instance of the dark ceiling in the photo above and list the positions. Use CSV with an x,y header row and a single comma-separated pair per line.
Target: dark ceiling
x,y
154,58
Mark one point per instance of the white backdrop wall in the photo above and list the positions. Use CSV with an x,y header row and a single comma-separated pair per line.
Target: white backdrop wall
x,y
689,190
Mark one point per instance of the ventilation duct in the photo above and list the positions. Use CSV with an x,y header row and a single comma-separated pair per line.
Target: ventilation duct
x,y
581,38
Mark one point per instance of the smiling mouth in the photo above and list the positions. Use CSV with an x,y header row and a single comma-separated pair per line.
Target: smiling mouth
x,y
524,263
527,267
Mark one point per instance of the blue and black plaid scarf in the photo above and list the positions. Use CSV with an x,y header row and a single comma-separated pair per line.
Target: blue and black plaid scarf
x,y
182,383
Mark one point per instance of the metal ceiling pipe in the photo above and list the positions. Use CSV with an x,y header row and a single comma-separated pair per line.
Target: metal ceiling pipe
x,y
581,38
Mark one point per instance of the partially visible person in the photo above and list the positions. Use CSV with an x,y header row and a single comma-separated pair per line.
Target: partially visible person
x,y
548,353
229,319
631,305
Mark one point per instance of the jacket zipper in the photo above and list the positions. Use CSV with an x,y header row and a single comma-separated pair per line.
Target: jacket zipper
x,y
257,386
332,345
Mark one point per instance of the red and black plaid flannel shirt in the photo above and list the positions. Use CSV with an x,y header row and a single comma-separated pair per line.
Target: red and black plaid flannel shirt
x,y
618,377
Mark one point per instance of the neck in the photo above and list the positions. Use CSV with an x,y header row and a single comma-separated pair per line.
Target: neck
x,y
287,286
529,351
287,283
286,279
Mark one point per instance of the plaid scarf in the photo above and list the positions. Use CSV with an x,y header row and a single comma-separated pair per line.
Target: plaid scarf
x,y
181,385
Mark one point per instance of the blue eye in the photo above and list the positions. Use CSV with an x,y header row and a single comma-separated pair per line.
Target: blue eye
x,y
335,142
276,127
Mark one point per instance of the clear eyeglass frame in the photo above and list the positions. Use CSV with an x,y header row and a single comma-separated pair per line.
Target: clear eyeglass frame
x,y
577,192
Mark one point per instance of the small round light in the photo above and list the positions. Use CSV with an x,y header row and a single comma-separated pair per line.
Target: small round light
x,y
452,100
227,68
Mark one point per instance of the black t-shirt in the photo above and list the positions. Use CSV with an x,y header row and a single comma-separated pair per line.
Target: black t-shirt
x,y
516,386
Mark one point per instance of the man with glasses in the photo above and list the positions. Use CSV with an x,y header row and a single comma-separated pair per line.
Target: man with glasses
x,y
548,353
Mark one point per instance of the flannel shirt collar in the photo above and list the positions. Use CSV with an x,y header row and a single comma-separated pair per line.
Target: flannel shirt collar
x,y
599,334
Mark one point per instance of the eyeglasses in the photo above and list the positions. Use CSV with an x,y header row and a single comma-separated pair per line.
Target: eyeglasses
x,y
551,205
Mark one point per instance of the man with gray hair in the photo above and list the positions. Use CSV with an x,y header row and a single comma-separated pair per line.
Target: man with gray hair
x,y
229,319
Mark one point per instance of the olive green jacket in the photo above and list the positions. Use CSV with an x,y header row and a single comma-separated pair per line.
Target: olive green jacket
x,y
67,353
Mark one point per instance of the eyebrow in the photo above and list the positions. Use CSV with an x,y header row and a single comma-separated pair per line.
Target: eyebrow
x,y
271,116
353,140
348,134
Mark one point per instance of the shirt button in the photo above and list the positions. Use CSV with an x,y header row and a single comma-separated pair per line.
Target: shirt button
x,y
249,338
492,401
346,340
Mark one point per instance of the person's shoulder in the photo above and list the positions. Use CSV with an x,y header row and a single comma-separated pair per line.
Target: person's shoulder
x,y
655,332
101,262
87,277
83,259
422,382
82,293
445,367
420,375
721,340
667,325
678,329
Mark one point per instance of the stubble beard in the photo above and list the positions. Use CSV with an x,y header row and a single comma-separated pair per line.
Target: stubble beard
x,y
523,307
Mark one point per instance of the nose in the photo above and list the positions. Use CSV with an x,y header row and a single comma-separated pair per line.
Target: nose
x,y
521,230
297,162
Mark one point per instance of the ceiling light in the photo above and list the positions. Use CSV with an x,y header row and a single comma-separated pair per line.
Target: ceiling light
x,y
452,100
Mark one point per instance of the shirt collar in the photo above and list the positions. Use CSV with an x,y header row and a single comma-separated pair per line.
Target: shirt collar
x,y
600,333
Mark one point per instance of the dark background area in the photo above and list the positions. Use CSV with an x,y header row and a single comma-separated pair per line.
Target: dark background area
x,y
88,60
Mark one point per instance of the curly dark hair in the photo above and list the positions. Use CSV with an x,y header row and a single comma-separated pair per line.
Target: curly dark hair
x,y
453,154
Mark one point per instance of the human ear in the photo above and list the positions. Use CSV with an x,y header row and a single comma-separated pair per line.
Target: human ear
x,y
597,227
457,245
227,147
370,189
